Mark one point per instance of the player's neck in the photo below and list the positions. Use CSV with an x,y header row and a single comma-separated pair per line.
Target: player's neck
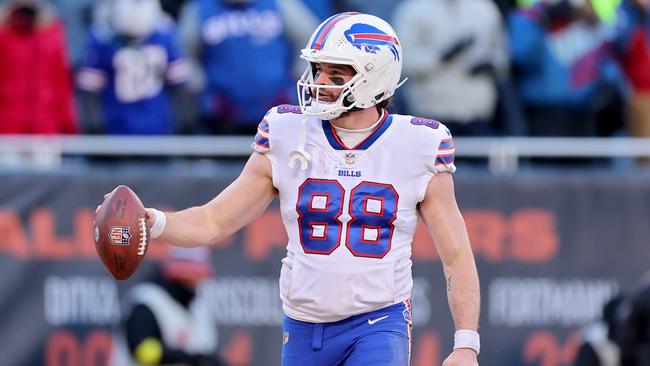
x,y
357,120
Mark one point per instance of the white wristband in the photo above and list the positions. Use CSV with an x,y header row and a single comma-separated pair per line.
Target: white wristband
x,y
465,338
159,222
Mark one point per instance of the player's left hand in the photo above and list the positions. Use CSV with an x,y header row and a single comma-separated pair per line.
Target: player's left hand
x,y
461,357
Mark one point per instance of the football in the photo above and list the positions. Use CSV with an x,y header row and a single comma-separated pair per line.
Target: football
x,y
121,233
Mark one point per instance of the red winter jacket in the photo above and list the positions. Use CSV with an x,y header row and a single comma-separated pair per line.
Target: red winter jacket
x,y
35,80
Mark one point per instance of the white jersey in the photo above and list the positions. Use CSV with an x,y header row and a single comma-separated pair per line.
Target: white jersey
x,y
351,215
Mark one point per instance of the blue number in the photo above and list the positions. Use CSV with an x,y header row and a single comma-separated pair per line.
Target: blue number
x,y
289,108
320,203
373,208
431,123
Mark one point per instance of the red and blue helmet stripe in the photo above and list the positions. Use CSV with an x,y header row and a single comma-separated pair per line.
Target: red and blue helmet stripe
x,y
326,27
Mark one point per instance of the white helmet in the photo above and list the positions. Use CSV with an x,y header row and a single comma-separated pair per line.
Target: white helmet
x,y
365,42
136,18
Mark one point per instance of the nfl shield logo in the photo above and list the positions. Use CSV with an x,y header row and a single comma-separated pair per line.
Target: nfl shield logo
x,y
285,338
120,235
349,158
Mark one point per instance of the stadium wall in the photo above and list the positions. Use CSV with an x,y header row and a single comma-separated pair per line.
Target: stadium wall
x,y
551,249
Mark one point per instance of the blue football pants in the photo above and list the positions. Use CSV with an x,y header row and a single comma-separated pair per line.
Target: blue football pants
x,y
380,337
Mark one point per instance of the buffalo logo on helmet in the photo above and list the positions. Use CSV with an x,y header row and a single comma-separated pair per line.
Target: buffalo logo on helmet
x,y
368,38
120,235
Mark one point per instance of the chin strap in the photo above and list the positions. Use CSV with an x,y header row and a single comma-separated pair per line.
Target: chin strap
x,y
300,154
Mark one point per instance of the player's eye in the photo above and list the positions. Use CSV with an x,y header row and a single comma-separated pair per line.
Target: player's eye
x,y
338,80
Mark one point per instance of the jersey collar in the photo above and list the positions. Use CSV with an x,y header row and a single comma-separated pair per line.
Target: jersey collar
x,y
337,144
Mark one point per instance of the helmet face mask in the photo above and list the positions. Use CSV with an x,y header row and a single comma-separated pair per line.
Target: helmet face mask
x,y
309,95
364,42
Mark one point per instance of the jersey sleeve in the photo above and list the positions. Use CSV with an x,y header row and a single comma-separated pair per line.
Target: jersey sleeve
x,y
262,141
279,119
445,152
438,143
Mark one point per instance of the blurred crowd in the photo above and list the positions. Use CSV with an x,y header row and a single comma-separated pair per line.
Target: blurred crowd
x,y
483,67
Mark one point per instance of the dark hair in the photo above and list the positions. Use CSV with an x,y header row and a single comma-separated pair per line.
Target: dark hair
x,y
384,104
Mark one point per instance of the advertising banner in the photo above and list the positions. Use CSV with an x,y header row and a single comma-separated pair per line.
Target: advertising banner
x,y
550,249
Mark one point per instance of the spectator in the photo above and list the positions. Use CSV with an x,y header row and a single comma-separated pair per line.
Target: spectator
x,y
601,339
164,322
242,51
455,53
636,338
35,78
132,57
564,66
634,46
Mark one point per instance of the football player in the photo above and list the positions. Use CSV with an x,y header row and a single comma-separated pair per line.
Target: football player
x,y
352,180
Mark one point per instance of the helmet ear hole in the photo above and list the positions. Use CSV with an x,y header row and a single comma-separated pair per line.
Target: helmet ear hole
x,y
348,100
